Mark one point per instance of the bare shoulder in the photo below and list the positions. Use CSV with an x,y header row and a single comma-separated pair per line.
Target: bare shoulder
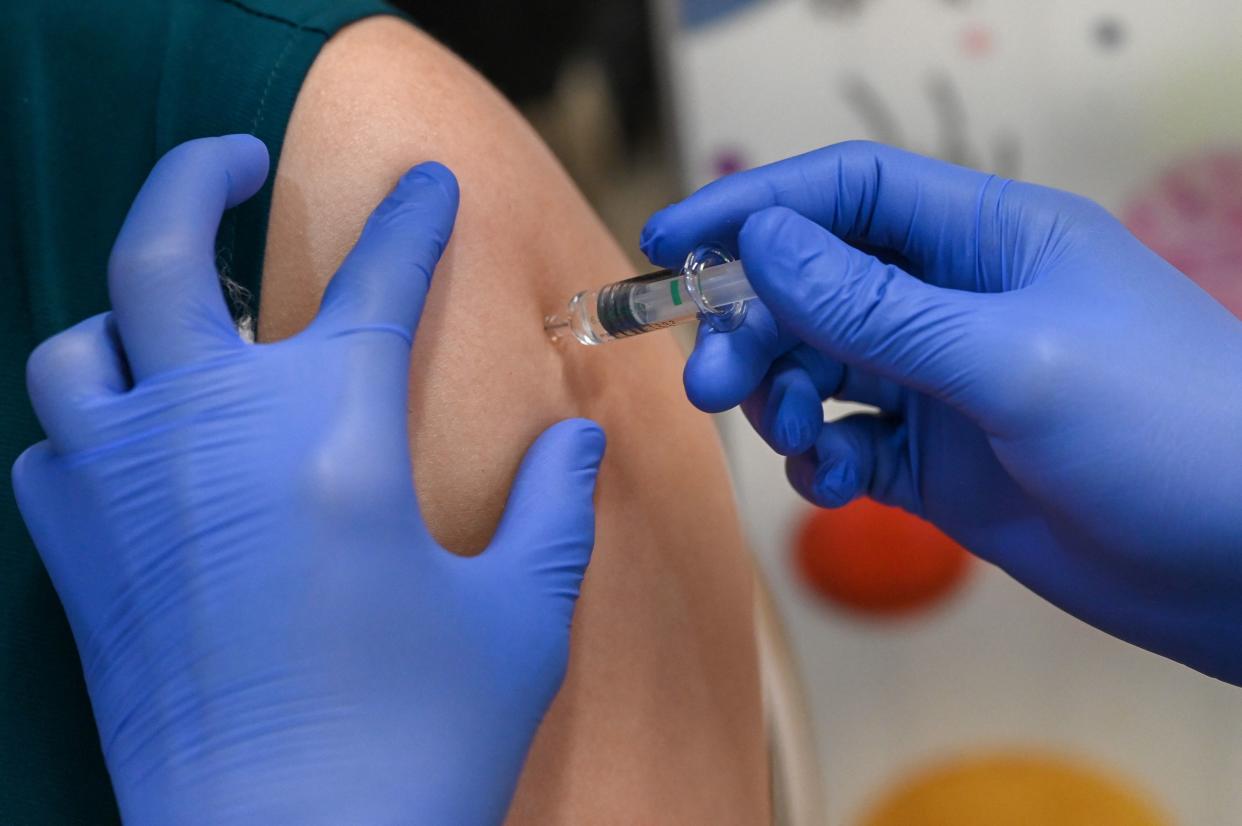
x,y
659,720
381,97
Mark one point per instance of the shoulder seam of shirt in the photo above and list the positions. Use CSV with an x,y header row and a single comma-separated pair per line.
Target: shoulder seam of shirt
x,y
275,18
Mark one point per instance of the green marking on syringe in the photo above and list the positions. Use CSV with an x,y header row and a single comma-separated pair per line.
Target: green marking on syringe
x,y
672,285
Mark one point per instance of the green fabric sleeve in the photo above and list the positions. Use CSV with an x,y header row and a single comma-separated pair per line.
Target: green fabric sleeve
x,y
244,80
91,95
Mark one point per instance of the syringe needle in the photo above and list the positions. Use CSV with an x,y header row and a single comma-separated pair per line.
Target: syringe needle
x,y
556,326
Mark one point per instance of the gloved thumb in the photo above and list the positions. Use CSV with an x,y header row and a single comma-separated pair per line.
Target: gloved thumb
x,y
859,310
548,528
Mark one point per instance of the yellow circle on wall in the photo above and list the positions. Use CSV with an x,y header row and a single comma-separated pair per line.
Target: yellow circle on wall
x,y
1015,790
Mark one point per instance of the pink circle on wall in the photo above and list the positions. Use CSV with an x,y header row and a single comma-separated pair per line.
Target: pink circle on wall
x,y
1192,217
727,161
976,41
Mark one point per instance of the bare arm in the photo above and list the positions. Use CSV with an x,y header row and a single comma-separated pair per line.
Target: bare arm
x,y
659,720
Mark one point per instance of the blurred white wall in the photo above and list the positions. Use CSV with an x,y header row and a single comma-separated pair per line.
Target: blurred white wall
x,y
1101,98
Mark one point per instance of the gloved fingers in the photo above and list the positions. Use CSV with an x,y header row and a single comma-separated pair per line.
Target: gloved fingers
x,y
787,410
28,473
34,485
548,528
726,368
860,455
779,382
928,211
383,282
68,371
871,316
39,483
162,278
835,380
863,387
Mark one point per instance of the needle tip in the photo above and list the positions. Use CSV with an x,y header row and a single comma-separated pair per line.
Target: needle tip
x,y
555,326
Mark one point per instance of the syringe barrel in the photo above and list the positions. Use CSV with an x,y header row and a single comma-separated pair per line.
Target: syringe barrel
x,y
645,303
716,293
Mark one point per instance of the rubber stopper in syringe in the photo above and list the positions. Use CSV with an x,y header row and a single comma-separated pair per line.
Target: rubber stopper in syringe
x,y
711,286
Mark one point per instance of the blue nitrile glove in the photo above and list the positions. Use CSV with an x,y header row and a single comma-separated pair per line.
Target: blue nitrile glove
x,y
268,632
1054,395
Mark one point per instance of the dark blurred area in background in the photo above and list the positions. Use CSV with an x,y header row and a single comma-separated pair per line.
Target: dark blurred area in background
x,y
583,73
523,46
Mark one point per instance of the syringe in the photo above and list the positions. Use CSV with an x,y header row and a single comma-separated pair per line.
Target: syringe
x,y
711,286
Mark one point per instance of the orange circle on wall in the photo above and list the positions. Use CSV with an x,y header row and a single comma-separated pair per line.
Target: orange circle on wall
x,y
878,560
1015,790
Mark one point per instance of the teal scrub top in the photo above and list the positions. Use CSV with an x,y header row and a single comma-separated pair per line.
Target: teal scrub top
x,y
92,93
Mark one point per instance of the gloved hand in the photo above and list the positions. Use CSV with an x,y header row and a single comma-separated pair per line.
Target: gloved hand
x,y
1052,394
268,632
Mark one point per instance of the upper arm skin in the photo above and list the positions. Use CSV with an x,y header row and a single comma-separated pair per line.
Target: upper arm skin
x,y
659,720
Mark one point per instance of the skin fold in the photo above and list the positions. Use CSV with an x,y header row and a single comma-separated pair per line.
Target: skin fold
x,y
659,720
